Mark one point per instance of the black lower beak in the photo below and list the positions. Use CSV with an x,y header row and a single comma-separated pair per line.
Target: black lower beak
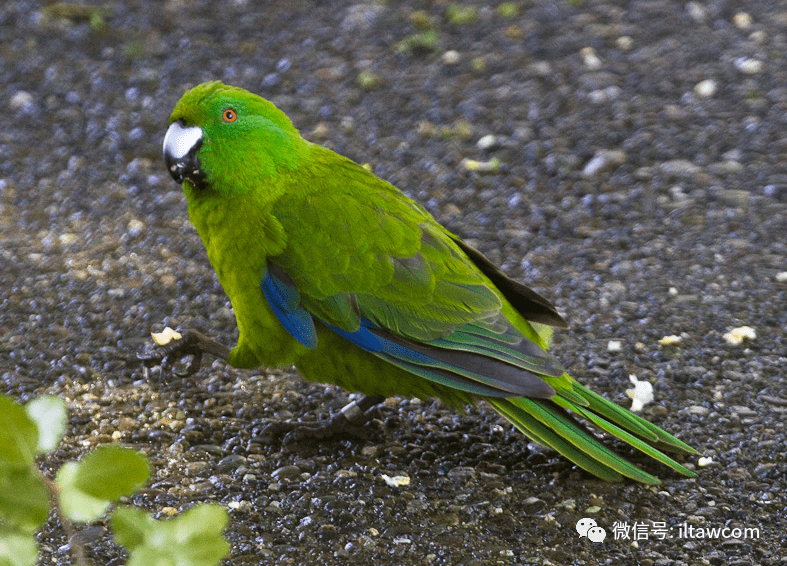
x,y
181,167
181,146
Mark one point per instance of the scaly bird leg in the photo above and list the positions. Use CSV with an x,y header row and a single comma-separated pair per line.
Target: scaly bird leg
x,y
192,343
349,422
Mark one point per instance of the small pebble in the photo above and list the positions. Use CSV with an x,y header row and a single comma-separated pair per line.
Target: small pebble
x,y
231,463
87,535
602,95
126,424
369,451
487,142
624,42
135,227
590,59
361,17
68,238
21,100
743,411
461,472
698,410
286,472
604,160
759,37
451,57
196,468
481,166
696,12
748,66
742,21
706,88
367,80
679,168
514,32
540,68
728,167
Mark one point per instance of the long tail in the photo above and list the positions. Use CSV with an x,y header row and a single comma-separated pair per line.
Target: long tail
x,y
545,421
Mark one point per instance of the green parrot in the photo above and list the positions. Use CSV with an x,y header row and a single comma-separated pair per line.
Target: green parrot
x,y
333,270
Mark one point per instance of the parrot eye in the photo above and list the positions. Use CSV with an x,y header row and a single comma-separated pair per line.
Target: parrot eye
x,y
229,115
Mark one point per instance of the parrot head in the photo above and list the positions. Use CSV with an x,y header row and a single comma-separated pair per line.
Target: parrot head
x,y
224,138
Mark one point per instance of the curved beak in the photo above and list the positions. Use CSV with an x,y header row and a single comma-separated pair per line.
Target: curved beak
x,y
181,145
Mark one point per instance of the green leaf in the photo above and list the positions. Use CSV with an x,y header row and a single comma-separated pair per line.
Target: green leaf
x,y
24,498
194,538
111,471
49,413
130,526
75,503
18,433
18,550
100,478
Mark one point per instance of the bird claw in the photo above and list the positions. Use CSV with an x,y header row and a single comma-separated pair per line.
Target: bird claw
x,y
190,344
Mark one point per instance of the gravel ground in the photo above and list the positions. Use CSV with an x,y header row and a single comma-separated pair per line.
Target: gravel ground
x,y
638,180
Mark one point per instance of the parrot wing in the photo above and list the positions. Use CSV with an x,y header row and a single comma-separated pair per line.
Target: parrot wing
x,y
373,266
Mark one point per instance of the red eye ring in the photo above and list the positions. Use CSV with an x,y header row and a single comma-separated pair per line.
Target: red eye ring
x,y
229,115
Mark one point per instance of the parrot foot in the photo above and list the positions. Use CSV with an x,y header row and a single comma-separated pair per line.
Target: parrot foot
x,y
191,343
349,422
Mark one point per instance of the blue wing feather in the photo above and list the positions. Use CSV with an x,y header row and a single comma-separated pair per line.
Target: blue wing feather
x,y
469,371
285,301
363,337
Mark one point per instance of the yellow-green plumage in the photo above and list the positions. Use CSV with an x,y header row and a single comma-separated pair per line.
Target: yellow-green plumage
x,y
338,272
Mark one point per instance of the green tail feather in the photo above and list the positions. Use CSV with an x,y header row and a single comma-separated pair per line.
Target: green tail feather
x,y
545,422
631,421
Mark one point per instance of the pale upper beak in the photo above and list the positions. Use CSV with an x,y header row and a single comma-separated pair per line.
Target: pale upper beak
x,y
181,145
